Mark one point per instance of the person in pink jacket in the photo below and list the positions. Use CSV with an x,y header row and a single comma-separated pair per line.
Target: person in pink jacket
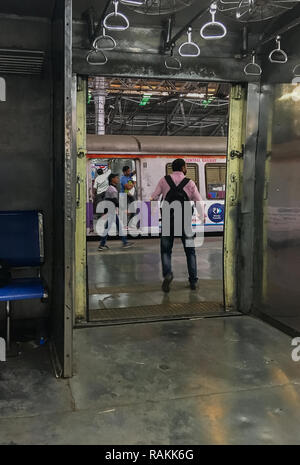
x,y
176,187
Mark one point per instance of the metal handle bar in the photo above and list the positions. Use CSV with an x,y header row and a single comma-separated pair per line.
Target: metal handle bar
x,y
253,65
278,50
223,2
104,37
133,2
114,14
93,53
191,44
296,73
213,22
250,5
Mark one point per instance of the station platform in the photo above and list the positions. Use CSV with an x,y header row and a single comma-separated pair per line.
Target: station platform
x,y
227,380
126,284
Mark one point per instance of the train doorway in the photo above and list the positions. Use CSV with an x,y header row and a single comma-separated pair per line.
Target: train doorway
x,y
188,122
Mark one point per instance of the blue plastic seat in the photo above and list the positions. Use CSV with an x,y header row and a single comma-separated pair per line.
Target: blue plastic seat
x,y
22,246
23,289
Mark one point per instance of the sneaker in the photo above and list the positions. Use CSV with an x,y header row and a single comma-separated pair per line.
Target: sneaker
x,y
128,245
103,247
193,286
166,282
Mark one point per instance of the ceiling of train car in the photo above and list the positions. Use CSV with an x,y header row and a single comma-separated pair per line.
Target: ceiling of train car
x,y
144,46
38,8
151,107
155,12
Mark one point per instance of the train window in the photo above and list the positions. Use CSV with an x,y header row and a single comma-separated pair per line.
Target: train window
x,y
215,174
192,172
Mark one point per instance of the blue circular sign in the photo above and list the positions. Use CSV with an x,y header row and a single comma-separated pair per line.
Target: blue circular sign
x,y
216,213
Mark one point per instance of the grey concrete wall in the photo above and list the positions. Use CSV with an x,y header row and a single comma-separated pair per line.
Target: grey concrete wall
x,y
26,171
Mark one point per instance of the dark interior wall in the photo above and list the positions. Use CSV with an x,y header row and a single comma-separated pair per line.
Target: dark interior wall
x,y
26,135
277,274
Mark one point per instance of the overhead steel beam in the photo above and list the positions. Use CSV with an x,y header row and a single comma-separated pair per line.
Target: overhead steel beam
x,y
194,124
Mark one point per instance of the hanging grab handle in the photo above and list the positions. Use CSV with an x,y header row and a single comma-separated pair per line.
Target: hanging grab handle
x,y
190,44
216,24
171,62
94,59
97,42
279,52
296,71
253,68
116,13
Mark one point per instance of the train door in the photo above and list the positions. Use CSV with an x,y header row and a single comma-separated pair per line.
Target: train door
x,y
124,284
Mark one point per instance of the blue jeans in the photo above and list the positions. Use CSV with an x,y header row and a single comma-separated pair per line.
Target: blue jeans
x,y
166,246
119,229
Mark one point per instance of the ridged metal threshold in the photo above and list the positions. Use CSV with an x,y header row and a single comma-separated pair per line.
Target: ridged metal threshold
x,y
24,62
171,310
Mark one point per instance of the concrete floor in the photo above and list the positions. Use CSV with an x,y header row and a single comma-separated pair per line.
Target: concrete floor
x,y
131,278
211,381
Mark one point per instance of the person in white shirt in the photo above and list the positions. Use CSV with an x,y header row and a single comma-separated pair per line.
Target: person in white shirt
x,y
100,186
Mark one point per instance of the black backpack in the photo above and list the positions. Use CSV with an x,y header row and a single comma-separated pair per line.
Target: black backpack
x,y
177,193
5,275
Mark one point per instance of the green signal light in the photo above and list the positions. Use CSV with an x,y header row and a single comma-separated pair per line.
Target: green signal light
x,y
145,100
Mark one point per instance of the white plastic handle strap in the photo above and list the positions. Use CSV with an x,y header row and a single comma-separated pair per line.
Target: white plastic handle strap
x,y
133,2
278,51
191,45
116,13
253,68
296,71
104,39
172,63
213,22
98,58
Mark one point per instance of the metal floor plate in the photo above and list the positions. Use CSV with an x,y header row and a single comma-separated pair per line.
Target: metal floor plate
x,y
198,309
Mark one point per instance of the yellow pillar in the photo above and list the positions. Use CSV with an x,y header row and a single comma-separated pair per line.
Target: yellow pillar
x,y
236,138
80,238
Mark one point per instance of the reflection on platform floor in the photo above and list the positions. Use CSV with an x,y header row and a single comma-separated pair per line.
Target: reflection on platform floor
x,y
211,381
131,278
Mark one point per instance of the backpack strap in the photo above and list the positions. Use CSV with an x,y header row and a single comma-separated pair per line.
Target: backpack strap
x,y
183,183
171,182
180,186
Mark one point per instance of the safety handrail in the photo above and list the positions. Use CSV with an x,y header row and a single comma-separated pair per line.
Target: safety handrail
x,y
190,44
116,13
253,65
104,37
278,51
213,22
96,63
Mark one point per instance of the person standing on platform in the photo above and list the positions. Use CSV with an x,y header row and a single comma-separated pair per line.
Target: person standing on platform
x,y
100,186
176,187
112,195
128,184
